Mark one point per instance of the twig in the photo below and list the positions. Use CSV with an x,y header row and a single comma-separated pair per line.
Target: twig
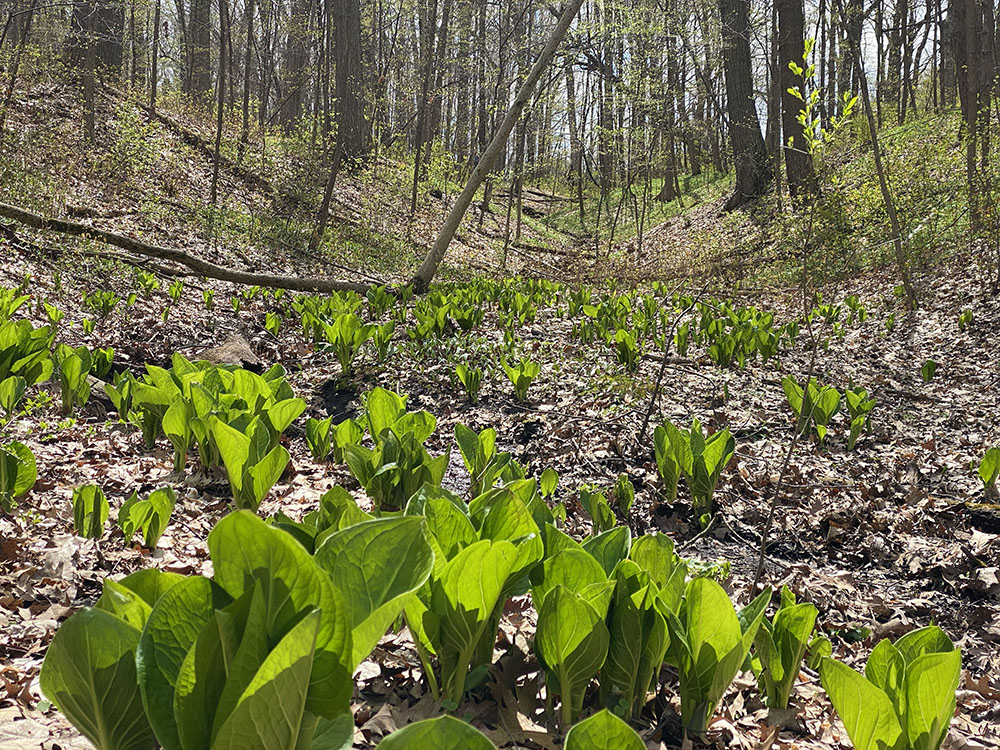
x,y
667,338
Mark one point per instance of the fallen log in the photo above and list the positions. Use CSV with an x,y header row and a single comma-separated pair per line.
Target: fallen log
x,y
197,265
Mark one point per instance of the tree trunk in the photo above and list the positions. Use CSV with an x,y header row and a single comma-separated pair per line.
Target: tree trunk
x,y
353,134
798,162
200,31
428,269
883,180
753,168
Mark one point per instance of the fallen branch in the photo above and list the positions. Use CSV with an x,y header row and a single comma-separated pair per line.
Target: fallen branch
x,y
197,265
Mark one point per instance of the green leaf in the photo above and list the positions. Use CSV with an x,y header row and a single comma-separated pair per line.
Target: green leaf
x,y
11,391
989,468
281,414
18,472
463,598
278,692
90,511
639,640
654,553
442,733
709,643
377,565
664,438
449,529
151,583
610,547
574,569
89,674
547,482
177,427
150,516
267,471
781,647
866,711
382,409
930,685
124,604
245,550
603,731
172,628
927,640
333,734
572,643
885,669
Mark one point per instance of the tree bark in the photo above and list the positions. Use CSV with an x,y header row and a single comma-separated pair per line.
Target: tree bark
x,y
429,267
199,266
791,46
753,168
880,171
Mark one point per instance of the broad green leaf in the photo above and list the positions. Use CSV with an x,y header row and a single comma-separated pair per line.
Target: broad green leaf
x,y
150,583
781,647
448,529
376,565
666,459
382,409
866,711
989,468
442,733
11,391
234,448
610,547
927,640
150,516
654,553
930,685
172,628
603,731
268,471
639,640
18,471
269,713
90,675
282,413
708,645
333,734
248,614
463,598
202,678
573,569
885,669
124,604
572,643
90,511
244,550
547,482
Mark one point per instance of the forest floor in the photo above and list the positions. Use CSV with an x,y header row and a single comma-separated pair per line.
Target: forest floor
x,y
890,536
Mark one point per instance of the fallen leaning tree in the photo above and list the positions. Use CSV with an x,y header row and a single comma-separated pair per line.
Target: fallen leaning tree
x,y
195,264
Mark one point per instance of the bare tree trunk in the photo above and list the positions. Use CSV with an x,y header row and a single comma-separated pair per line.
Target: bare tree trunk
x,y
791,46
155,72
200,30
428,269
353,135
753,168
883,181
15,65
221,100
245,128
